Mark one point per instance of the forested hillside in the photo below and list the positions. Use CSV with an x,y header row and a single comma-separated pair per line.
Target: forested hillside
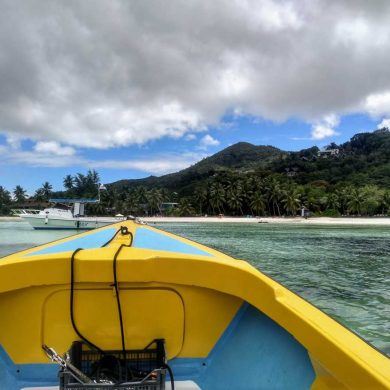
x,y
365,159
352,178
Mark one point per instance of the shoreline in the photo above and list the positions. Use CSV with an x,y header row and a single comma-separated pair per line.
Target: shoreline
x,y
375,221
385,221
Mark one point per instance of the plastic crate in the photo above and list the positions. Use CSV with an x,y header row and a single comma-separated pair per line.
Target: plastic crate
x,y
141,370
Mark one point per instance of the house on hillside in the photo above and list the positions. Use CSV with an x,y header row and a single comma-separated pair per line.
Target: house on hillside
x,y
328,153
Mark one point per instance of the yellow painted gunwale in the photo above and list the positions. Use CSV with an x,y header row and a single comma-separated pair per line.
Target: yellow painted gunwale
x,y
340,356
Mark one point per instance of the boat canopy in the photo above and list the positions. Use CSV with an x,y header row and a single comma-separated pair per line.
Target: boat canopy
x,y
68,201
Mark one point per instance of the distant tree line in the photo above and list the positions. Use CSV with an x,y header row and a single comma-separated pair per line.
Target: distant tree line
x,y
235,194
228,193
80,185
244,179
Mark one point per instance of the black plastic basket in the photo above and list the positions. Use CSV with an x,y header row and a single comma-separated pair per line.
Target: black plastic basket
x,y
142,369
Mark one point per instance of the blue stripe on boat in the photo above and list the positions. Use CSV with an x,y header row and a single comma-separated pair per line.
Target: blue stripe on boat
x,y
150,239
90,241
15,376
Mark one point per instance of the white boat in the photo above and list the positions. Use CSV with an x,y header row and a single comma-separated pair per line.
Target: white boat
x,y
66,214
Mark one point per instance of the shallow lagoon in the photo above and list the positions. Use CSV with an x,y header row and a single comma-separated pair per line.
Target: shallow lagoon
x,y
344,270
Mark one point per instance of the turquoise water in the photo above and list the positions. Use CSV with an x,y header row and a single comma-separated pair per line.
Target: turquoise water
x,y
343,270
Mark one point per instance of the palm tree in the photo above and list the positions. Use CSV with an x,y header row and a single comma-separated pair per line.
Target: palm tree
x,y
46,189
80,183
343,196
332,201
250,185
140,194
131,204
274,193
291,200
165,195
356,200
185,208
19,194
40,195
5,201
217,196
257,203
92,180
385,202
68,182
234,199
93,176
154,198
200,197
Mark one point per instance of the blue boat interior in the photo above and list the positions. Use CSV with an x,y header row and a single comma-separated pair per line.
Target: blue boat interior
x,y
253,353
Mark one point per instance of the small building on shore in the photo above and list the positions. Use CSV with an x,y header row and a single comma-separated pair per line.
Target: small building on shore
x,y
329,153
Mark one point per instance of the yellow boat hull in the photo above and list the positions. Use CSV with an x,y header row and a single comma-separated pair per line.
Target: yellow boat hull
x,y
226,325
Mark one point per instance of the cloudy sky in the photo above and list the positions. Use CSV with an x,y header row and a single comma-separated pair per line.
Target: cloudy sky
x,y
133,88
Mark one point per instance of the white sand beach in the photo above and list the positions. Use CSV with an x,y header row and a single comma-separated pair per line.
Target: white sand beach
x,y
383,221
296,220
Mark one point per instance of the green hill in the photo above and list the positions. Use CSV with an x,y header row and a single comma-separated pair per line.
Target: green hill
x,y
352,178
363,159
240,157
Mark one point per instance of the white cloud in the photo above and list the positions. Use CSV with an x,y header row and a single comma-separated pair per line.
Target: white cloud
x,y
157,166
207,141
378,104
190,137
14,141
48,158
52,147
385,123
103,74
325,128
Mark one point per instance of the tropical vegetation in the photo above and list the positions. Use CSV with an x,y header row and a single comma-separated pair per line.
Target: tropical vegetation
x,y
348,179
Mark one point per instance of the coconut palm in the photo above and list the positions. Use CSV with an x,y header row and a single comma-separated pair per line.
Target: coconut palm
x,y
343,196
91,186
46,189
356,201
274,193
165,195
40,195
200,197
154,198
234,199
258,202
217,196
19,194
291,200
80,183
385,203
5,201
93,176
68,182
332,201
131,204
185,208
140,194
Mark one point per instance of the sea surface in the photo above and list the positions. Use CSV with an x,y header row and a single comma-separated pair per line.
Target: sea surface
x,y
343,270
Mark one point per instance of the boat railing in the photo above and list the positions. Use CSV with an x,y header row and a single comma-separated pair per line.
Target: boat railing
x,y
25,211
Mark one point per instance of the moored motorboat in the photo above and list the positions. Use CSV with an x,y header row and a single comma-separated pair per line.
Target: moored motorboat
x,y
65,214
135,307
